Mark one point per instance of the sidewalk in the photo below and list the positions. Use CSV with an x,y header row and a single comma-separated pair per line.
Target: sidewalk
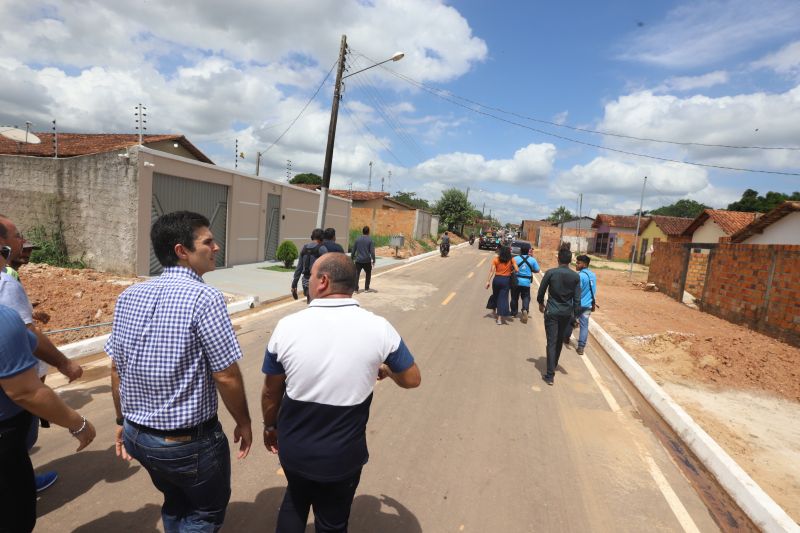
x,y
265,285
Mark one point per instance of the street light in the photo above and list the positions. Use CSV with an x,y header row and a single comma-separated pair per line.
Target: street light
x,y
326,170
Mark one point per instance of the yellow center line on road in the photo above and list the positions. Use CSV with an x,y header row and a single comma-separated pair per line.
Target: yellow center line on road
x,y
470,275
479,264
449,297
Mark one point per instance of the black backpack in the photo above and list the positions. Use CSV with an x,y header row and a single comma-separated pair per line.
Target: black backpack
x,y
308,256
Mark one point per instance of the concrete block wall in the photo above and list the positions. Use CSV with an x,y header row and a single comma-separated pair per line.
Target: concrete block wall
x,y
666,267
758,286
95,197
696,273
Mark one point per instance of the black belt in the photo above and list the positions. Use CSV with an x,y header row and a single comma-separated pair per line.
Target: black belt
x,y
195,432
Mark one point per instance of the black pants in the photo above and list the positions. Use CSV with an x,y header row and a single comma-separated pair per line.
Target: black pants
x,y
17,485
366,267
516,293
554,327
331,502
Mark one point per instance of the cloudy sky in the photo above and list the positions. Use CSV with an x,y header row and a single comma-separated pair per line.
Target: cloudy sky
x,y
506,98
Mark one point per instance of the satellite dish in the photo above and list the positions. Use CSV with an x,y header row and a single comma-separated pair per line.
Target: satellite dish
x,y
18,135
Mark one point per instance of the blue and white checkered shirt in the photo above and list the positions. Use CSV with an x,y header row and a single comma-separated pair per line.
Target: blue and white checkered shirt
x,y
170,333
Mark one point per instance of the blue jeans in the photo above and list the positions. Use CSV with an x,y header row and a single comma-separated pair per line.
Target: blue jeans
x,y
194,476
500,288
583,334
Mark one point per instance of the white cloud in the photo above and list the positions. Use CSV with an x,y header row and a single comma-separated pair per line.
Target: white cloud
x,y
784,61
561,117
615,178
758,119
703,33
688,83
530,165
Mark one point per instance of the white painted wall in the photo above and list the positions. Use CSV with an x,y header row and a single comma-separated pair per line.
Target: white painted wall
x,y
709,232
784,231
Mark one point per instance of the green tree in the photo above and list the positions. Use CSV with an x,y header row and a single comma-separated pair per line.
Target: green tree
x,y
453,208
287,252
752,202
411,198
306,177
561,215
682,208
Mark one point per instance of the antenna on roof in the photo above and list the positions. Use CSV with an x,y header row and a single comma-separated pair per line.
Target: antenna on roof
x,y
55,140
140,120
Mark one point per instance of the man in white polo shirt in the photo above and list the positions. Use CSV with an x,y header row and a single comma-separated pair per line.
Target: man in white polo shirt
x,y
321,365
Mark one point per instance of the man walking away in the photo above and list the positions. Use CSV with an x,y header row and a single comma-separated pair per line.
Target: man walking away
x,y
364,257
527,268
317,393
563,288
172,348
329,243
588,304
308,255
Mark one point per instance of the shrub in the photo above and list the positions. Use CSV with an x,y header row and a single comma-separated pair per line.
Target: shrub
x,y
287,252
53,247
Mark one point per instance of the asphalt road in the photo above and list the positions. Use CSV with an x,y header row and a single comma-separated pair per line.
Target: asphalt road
x,y
483,445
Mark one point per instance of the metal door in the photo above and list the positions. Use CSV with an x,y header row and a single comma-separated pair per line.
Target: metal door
x,y
273,226
171,193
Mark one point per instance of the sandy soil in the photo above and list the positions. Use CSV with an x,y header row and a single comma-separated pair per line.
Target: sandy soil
x,y
741,386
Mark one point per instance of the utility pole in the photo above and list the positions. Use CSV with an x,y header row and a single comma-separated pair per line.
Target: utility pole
x,y
638,221
258,162
468,194
326,170
580,219
483,209
390,182
369,183
382,183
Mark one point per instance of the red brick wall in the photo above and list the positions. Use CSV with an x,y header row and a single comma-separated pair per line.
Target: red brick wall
x,y
696,273
549,236
739,288
666,267
384,221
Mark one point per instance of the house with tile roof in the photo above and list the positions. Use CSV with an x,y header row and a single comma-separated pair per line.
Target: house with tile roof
x,y
79,144
660,228
718,225
364,199
615,235
779,226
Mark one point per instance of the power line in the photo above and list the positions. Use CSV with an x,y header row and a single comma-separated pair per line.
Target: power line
x,y
593,145
584,130
361,124
328,75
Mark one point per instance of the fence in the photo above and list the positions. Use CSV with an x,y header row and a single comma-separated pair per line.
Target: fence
x,y
410,223
751,284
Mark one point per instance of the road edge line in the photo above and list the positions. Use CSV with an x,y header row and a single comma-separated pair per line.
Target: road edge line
x,y
757,504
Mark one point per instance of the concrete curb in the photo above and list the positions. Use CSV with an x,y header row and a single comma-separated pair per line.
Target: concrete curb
x,y
765,513
95,344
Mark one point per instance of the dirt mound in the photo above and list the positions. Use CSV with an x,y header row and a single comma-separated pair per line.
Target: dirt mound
x,y
66,298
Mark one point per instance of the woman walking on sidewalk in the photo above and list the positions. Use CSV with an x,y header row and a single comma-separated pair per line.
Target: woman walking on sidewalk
x,y
501,270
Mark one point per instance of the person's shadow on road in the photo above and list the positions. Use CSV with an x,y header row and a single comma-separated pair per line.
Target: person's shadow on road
x,y
541,365
79,472
144,520
79,398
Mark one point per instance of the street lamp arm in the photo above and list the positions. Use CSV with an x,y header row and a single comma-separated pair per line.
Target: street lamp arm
x,y
397,57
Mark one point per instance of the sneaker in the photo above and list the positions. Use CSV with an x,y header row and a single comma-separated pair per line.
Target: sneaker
x,y
547,380
45,481
498,321
579,350
524,317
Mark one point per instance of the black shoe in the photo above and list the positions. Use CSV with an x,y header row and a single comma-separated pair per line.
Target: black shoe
x,y
579,351
547,380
